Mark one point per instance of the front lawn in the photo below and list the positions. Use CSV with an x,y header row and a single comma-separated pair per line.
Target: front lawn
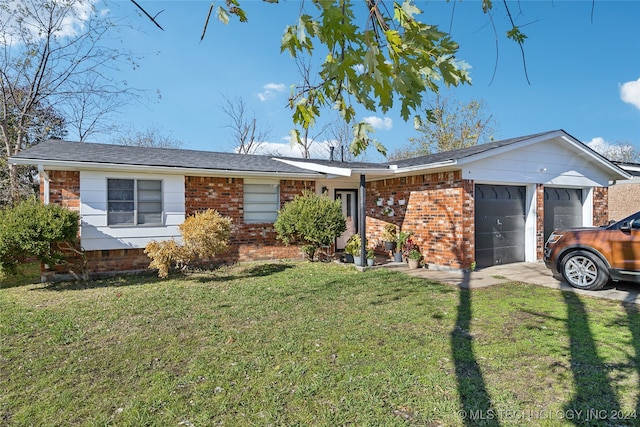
x,y
313,344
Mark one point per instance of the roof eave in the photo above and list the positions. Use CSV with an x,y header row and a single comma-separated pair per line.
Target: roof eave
x,y
66,165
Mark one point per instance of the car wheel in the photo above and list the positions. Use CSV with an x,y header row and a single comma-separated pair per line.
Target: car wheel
x,y
584,270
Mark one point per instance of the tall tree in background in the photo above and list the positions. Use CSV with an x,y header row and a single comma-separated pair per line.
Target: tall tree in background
x,y
618,152
450,125
44,123
150,137
247,135
52,57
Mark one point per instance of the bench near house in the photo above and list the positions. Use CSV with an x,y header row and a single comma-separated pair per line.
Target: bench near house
x,y
490,204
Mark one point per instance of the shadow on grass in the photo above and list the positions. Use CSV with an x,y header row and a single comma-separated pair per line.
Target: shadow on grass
x,y
633,320
474,397
201,276
28,274
248,272
592,390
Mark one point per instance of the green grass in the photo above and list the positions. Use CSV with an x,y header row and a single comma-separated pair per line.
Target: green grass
x,y
313,344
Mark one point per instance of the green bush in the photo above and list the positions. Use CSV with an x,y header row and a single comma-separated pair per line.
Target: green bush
x,y
30,230
311,218
205,235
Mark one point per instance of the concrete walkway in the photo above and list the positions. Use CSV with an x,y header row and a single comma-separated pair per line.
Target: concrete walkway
x,y
527,272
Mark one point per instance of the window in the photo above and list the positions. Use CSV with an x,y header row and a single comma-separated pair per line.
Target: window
x,y
261,202
134,202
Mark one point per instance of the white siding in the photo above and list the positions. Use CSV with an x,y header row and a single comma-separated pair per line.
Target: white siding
x,y
94,232
548,163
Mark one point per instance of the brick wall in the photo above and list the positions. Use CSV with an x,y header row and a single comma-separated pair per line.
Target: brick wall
x,y
249,242
624,200
600,206
438,209
64,189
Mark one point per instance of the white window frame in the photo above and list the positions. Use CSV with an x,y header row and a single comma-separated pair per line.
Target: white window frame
x,y
261,201
136,201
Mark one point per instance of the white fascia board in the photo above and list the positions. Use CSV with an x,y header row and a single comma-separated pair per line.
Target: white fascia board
x,y
373,172
64,165
428,166
328,170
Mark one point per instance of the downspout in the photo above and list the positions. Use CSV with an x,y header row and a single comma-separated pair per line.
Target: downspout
x,y
363,220
45,181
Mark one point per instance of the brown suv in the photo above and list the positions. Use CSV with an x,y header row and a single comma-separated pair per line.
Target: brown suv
x,y
588,257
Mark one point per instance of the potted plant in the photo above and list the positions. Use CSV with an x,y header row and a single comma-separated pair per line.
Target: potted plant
x,y
353,248
389,235
414,259
371,257
401,239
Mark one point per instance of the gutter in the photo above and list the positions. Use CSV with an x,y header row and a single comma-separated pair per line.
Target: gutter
x,y
62,165
416,168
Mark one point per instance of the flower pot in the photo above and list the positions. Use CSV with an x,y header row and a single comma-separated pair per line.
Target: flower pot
x,y
389,246
413,264
357,260
370,262
397,257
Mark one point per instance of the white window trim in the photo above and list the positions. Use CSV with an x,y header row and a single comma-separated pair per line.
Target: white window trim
x,y
263,216
135,203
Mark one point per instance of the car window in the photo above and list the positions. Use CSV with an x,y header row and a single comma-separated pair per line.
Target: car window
x,y
633,221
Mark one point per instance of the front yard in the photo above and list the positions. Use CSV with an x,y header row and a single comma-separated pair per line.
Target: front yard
x,y
313,344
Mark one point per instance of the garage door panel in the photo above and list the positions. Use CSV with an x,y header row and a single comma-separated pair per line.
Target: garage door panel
x,y
500,224
562,209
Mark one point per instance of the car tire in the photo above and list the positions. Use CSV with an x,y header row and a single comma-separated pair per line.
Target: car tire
x,y
584,270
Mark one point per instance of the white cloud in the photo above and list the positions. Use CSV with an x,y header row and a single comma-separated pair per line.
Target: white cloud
x,y
71,21
379,123
319,149
598,144
270,91
630,93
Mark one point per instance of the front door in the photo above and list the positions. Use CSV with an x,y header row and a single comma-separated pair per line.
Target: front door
x,y
349,199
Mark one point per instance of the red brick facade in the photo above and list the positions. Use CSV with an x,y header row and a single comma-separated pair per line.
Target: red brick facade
x,y
64,189
438,209
600,206
249,242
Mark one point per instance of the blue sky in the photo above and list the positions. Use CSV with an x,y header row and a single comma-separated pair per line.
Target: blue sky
x,y
580,68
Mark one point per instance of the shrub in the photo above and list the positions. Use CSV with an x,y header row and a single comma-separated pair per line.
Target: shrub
x,y
312,218
205,235
354,245
389,233
31,230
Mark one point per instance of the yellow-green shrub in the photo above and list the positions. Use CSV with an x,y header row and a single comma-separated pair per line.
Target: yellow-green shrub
x,y
205,235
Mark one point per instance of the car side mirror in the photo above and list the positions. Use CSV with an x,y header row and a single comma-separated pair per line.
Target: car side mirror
x,y
625,226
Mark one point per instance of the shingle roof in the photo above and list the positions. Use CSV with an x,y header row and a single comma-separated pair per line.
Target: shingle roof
x,y
463,152
83,152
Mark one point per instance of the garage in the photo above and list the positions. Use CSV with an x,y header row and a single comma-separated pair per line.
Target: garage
x,y
500,224
562,209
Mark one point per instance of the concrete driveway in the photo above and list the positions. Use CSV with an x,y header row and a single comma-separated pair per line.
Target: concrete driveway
x,y
527,272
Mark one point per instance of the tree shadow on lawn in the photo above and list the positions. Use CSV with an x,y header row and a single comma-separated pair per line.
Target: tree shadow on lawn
x,y
593,393
143,278
633,321
474,397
